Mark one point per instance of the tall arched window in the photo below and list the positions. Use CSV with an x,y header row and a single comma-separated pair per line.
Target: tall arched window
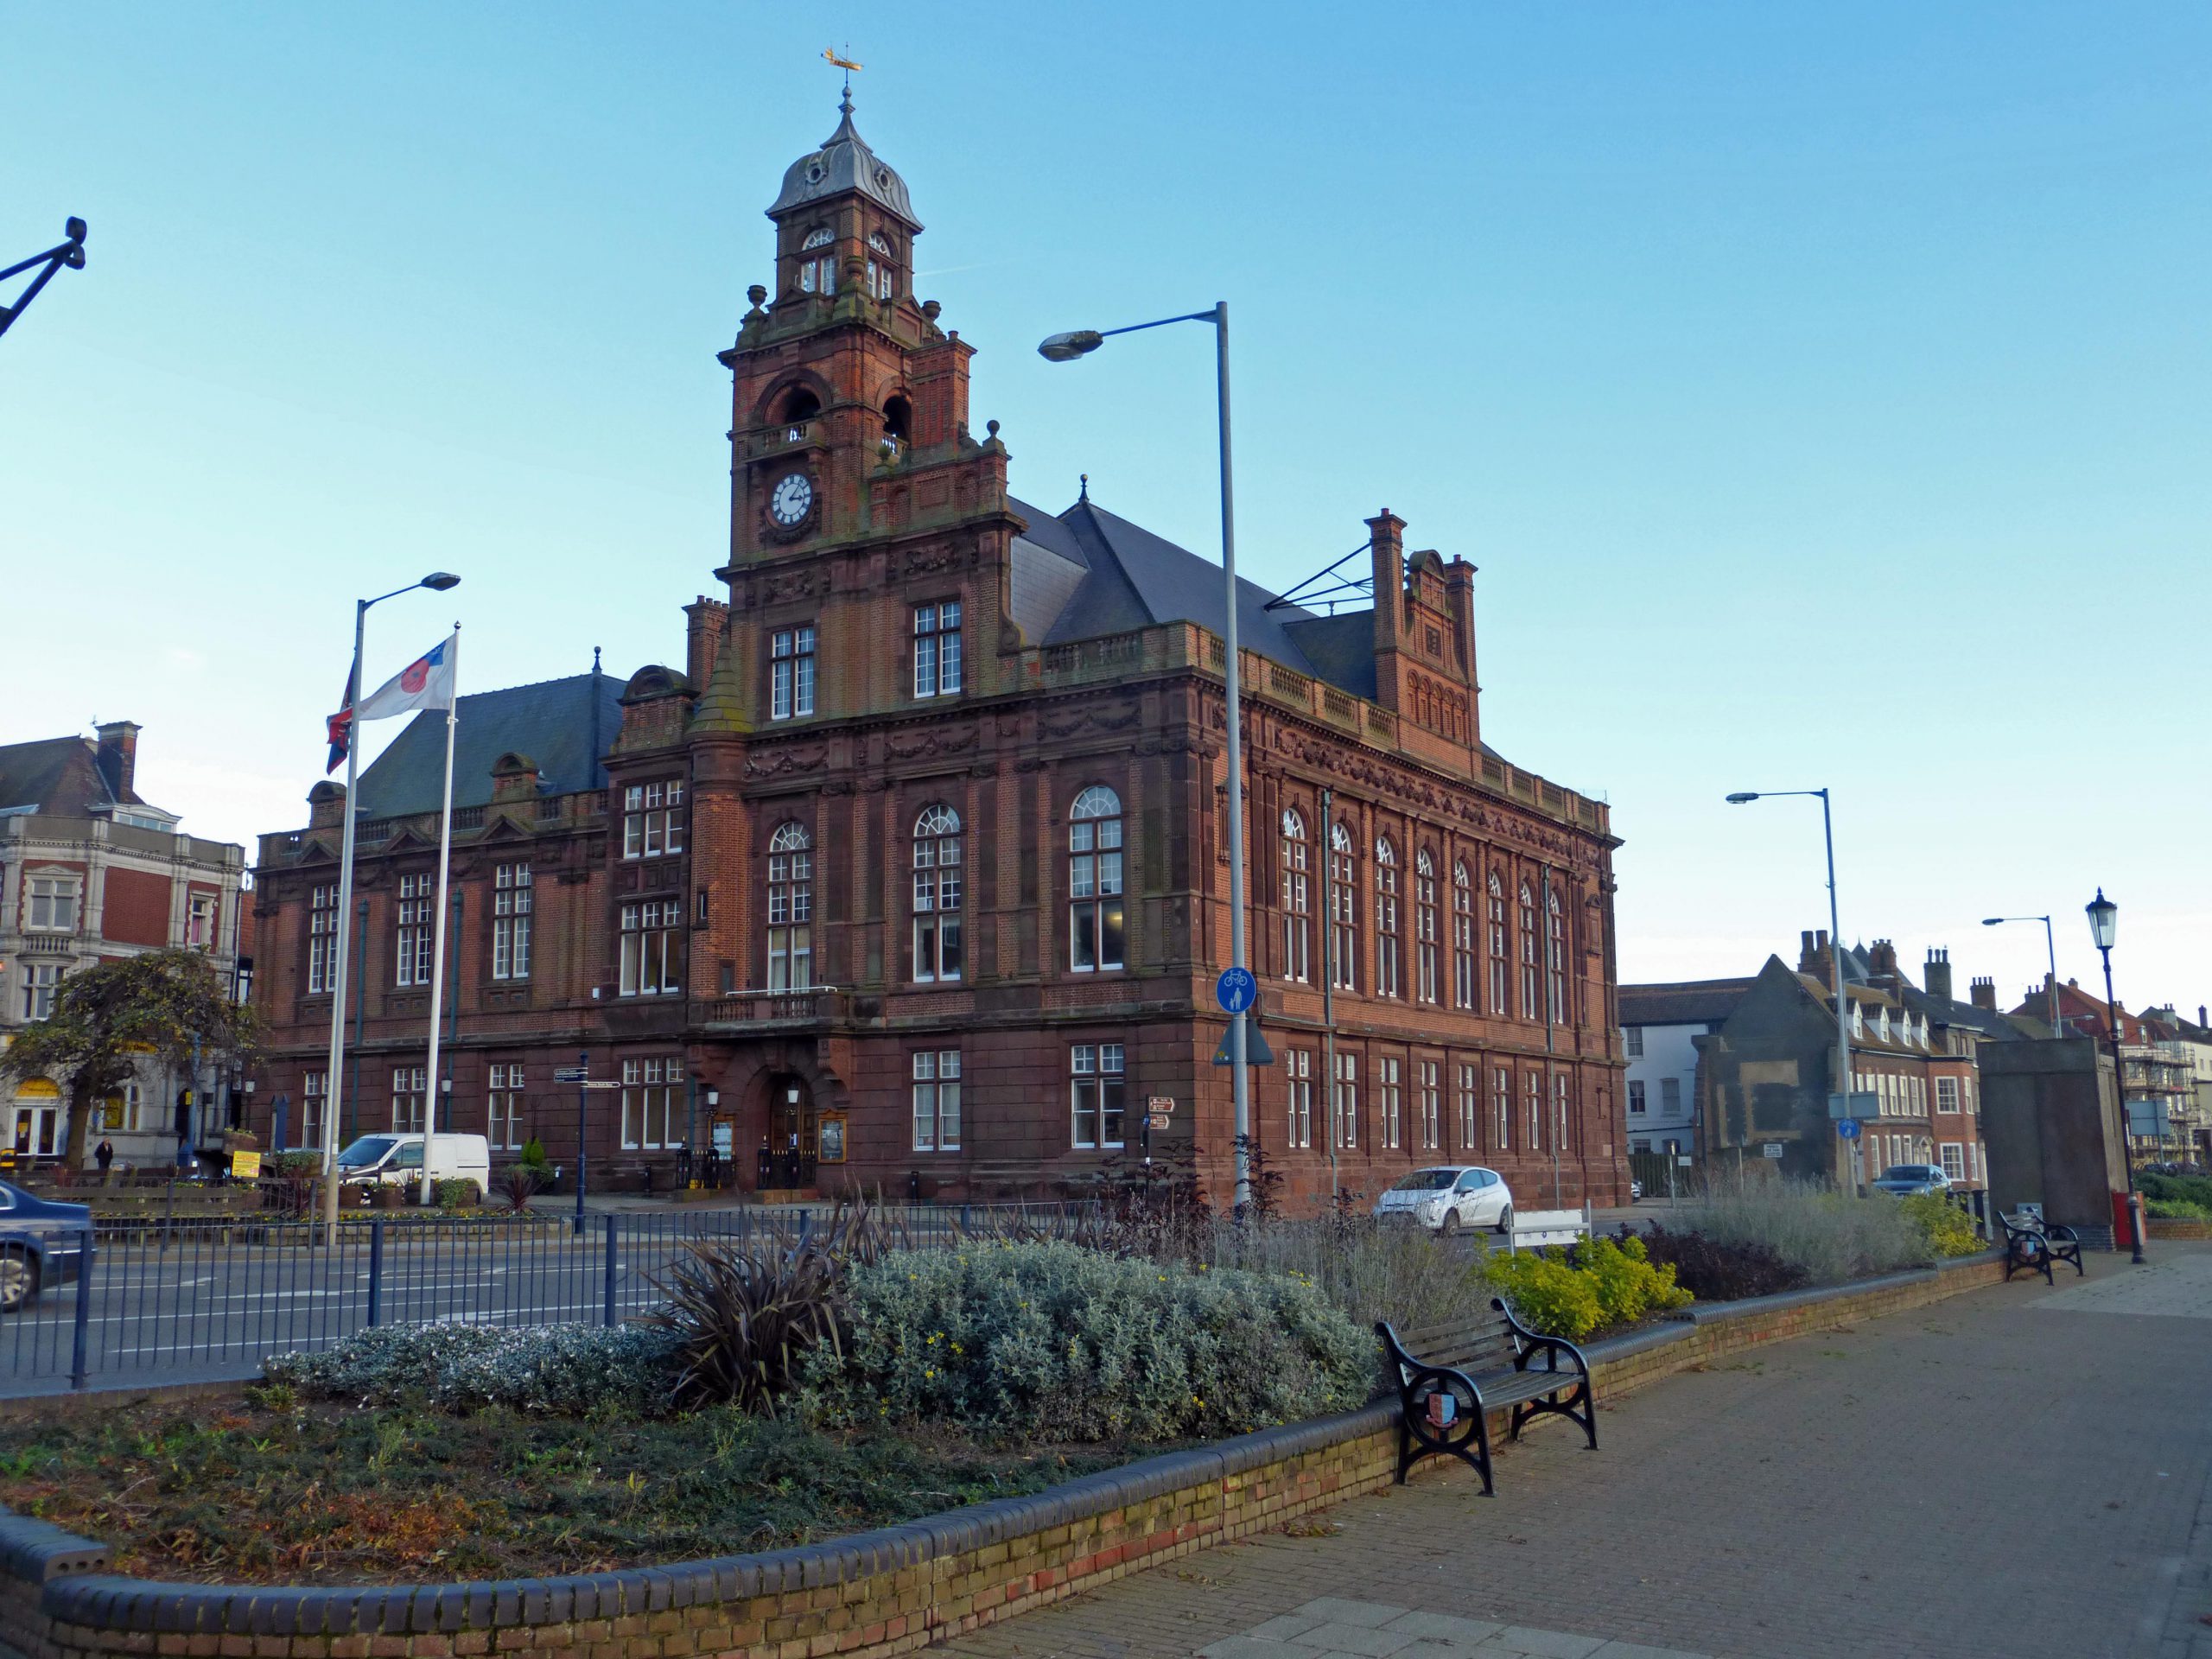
x,y
1555,940
882,275
1425,982
1530,944
1499,973
1386,918
1095,919
1343,908
817,274
1297,905
937,895
791,910
1463,936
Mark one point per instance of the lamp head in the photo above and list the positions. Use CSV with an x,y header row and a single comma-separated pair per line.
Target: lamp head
x,y
1743,795
1065,348
1991,921
2104,921
439,580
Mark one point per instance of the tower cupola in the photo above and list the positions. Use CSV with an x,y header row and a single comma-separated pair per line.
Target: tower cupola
x,y
844,224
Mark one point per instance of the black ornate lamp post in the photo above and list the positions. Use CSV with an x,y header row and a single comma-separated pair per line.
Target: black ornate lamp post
x,y
2104,927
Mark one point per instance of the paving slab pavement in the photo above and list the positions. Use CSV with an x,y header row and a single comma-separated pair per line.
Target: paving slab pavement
x,y
2019,1471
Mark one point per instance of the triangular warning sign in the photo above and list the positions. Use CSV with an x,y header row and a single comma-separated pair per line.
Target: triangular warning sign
x,y
1257,1052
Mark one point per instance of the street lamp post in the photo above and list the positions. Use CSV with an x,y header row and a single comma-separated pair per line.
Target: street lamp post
x,y
1065,348
68,254
1836,953
2051,990
334,1084
2104,928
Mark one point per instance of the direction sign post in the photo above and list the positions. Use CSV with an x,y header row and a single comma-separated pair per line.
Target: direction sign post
x,y
581,1072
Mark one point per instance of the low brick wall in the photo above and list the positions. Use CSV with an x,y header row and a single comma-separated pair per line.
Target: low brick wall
x,y
2159,1227
879,1592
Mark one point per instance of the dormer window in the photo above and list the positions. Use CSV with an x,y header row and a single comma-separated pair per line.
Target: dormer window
x,y
817,275
883,274
1858,1020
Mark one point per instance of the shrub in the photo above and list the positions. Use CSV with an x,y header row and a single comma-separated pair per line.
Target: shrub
x,y
1627,1283
743,1317
1830,1235
1948,1229
1546,1294
516,1185
1370,1270
565,1370
456,1194
2193,1190
533,1154
1715,1271
2176,1209
1065,1343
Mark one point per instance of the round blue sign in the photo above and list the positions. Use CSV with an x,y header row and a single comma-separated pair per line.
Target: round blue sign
x,y
1236,989
1847,1127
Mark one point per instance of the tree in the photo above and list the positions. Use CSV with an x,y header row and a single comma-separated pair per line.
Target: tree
x,y
166,1006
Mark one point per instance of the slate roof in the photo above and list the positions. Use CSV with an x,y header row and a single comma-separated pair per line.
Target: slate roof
x,y
1683,1002
1136,579
551,721
844,163
60,775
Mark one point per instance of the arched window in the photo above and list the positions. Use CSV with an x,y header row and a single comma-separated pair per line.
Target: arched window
x,y
1425,976
937,895
1463,936
898,420
1555,939
1386,918
817,274
1530,944
1297,907
1095,915
883,273
1499,973
797,406
791,910
1343,908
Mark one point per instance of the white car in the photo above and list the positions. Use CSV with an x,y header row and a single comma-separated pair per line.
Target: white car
x,y
1449,1196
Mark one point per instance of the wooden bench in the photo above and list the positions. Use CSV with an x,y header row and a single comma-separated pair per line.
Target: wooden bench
x,y
1451,1376
2031,1245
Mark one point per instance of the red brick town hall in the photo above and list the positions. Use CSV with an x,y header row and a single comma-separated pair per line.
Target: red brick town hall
x,y
911,872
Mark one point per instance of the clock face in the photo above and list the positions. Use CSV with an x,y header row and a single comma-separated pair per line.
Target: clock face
x,y
792,499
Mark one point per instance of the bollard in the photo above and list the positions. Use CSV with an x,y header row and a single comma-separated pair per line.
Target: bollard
x,y
375,1269
610,1269
84,1311
805,1218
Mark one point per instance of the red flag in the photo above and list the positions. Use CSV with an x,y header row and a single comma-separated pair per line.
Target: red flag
x,y
338,729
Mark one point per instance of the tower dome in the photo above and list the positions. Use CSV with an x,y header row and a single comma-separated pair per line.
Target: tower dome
x,y
843,163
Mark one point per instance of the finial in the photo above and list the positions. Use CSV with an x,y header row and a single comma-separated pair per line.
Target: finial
x,y
1085,478
991,427
594,659
845,63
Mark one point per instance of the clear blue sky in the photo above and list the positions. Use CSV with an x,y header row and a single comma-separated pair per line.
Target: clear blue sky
x,y
1822,390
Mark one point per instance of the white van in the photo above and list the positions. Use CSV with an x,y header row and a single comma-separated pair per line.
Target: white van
x,y
396,1161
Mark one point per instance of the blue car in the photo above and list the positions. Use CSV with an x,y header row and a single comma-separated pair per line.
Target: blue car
x,y
42,1244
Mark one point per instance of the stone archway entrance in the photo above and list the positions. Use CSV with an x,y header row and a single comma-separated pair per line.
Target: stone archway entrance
x,y
788,1136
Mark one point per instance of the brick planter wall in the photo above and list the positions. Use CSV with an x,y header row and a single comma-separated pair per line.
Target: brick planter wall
x,y
2159,1227
884,1591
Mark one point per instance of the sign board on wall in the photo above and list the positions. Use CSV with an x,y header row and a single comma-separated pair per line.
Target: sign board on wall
x,y
1771,1150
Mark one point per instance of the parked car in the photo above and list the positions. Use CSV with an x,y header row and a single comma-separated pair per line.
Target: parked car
x,y
376,1160
1909,1181
42,1244
1449,1196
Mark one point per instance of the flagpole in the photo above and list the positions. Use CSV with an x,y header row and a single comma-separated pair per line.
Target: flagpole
x,y
438,922
334,1082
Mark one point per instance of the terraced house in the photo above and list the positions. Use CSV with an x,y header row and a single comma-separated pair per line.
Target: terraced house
x,y
913,872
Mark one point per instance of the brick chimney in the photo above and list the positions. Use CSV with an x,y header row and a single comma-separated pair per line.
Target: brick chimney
x,y
1813,957
119,756
1983,993
1883,958
1937,974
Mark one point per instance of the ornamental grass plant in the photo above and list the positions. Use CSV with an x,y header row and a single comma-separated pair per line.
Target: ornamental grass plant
x,y
1829,1236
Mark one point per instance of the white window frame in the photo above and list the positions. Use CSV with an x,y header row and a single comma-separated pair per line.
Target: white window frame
x,y
1470,1106
412,944
1954,1160
1429,984
938,893
322,938
936,1099
1947,1095
1344,1103
1343,908
652,818
791,673
1098,1096
52,904
649,1103
1386,918
652,954
1632,1041
1635,1102
505,1103
1298,1072
938,664
791,909
1670,1096
40,981
410,1086
511,893
1430,1104
1388,1089
1097,864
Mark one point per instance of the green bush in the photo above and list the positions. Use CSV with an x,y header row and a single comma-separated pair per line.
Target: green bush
x,y
533,1154
1592,1285
2195,1190
1948,1230
1064,1343
1831,1236
457,1194
1546,1294
564,1369
1371,1270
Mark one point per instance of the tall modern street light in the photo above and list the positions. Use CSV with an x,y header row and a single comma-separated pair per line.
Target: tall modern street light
x,y
2051,1003
1065,348
2104,928
68,253
1835,954
334,1084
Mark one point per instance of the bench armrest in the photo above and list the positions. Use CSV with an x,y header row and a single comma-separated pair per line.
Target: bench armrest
x,y
1527,1343
2062,1233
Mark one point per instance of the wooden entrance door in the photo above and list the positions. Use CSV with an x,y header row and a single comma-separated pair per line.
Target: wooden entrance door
x,y
787,1151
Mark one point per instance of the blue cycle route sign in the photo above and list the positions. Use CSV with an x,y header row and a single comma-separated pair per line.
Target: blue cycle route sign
x,y
1236,989
1847,1127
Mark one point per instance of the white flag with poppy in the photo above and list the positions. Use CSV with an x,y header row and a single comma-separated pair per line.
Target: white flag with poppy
x,y
426,682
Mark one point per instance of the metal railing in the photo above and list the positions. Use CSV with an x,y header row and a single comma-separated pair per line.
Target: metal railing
x,y
208,1298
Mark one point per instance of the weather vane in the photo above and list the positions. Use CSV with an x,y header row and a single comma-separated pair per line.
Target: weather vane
x,y
845,64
